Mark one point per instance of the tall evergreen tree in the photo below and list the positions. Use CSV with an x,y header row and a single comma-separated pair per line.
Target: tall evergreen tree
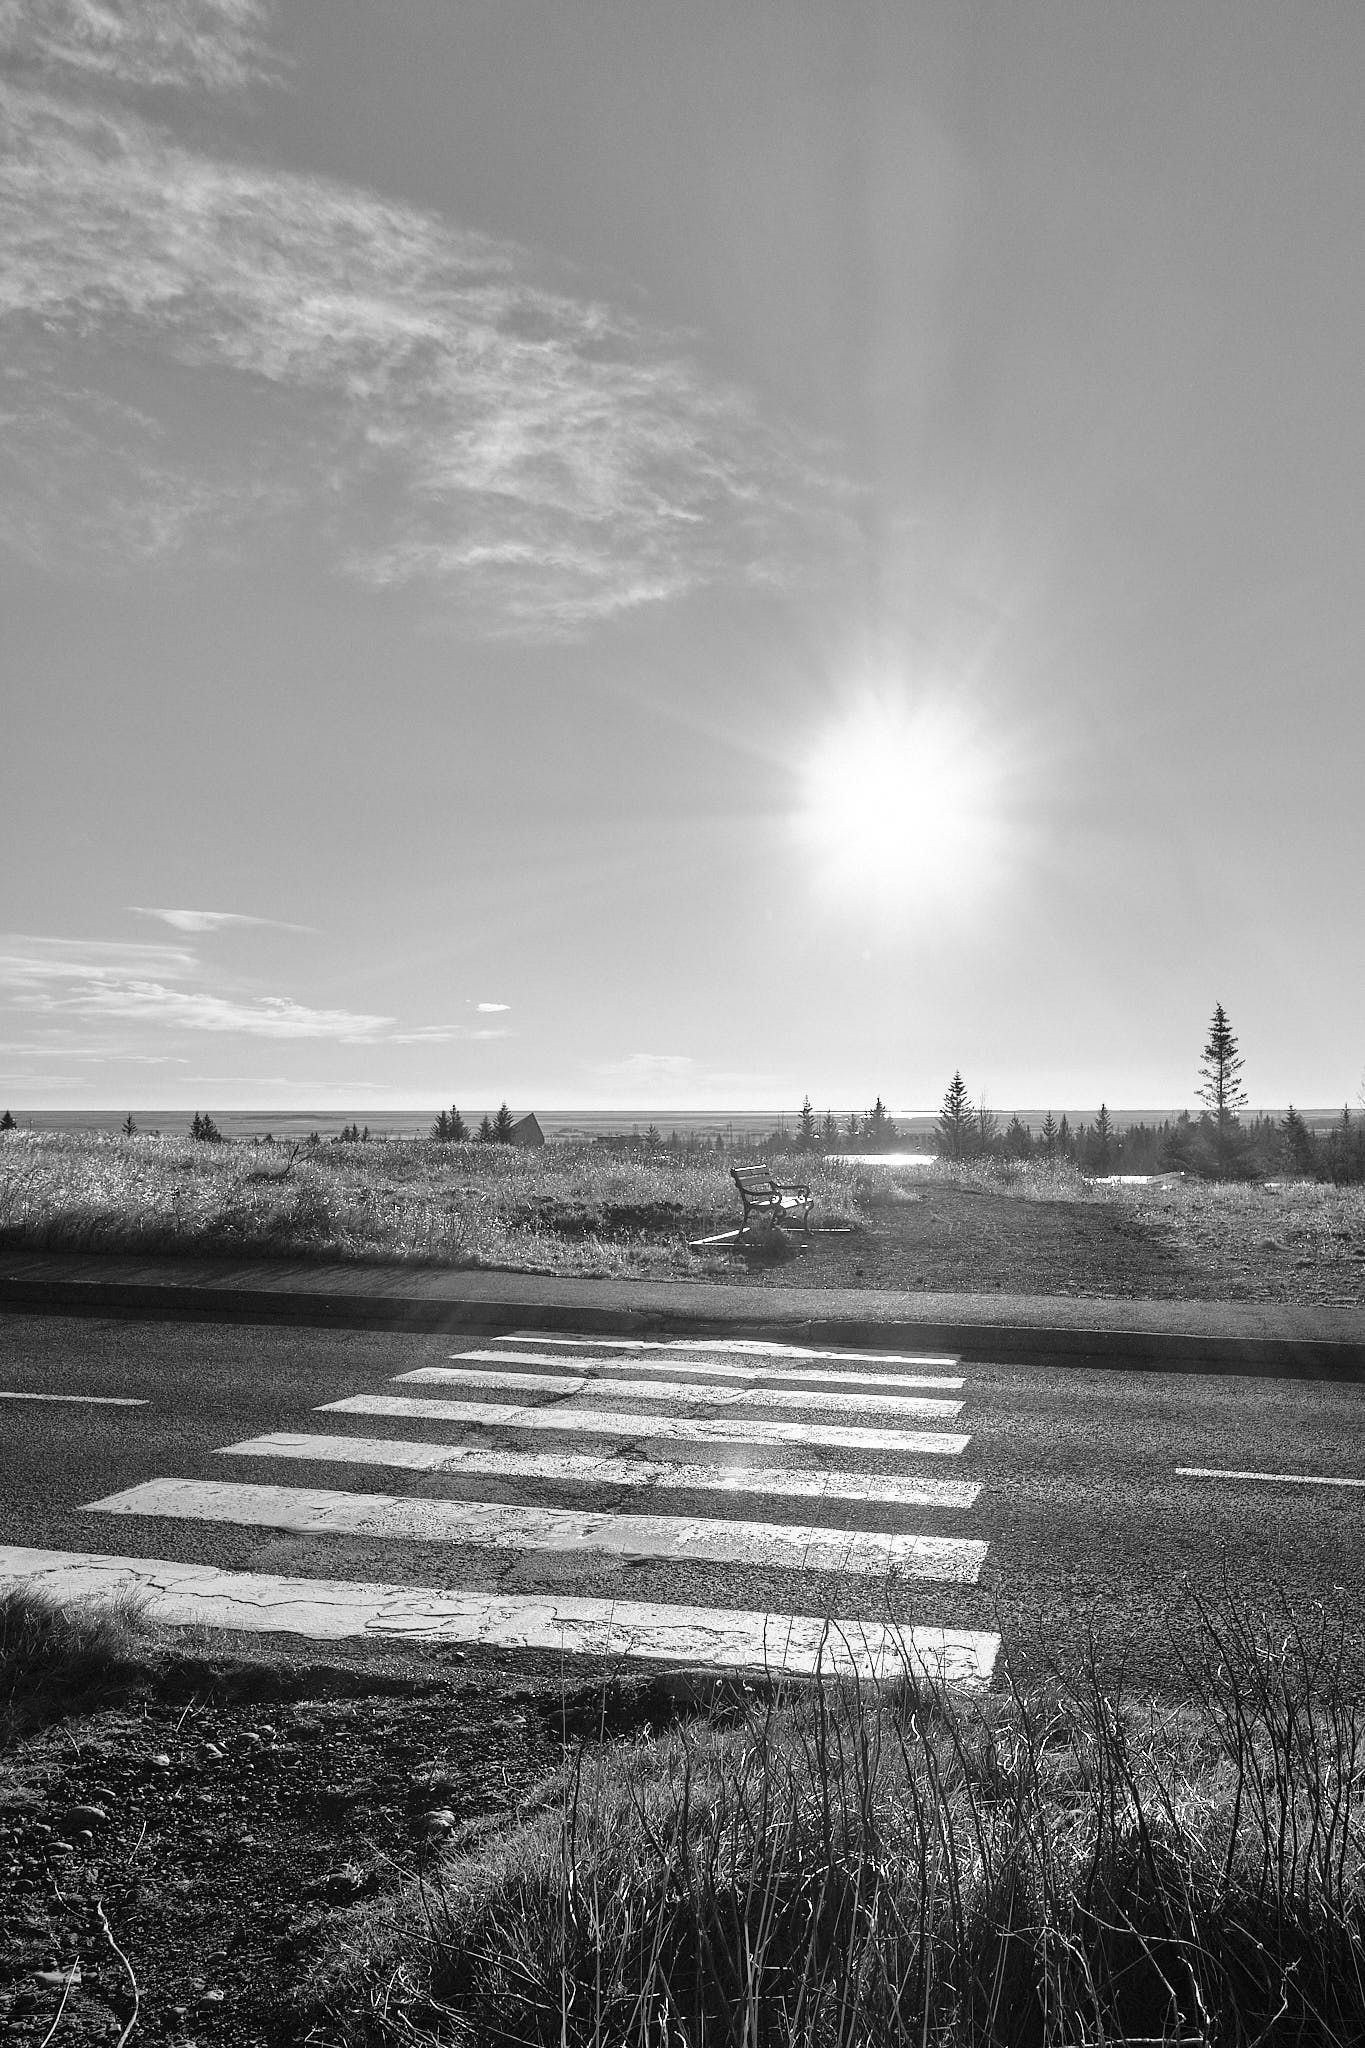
x,y
1103,1142
875,1125
953,1132
440,1130
1221,1073
1049,1136
503,1122
7,1122
486,1133
806,1126
829,1129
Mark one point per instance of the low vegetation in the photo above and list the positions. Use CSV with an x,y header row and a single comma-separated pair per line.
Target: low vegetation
x,y
598,1210
62,1656
831,1865
562,1209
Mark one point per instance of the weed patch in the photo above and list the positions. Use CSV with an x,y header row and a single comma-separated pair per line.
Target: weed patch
x,y
831,1865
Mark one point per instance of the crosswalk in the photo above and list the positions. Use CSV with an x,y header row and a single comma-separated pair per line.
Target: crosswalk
x,y
539,1467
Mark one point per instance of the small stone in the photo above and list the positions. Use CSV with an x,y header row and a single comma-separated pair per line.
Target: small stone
x,y
86,1816
160,1762
212,1997
212,1751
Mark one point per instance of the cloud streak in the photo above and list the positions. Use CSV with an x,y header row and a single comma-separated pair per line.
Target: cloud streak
x,y
72,982
215,920
211,45
421,395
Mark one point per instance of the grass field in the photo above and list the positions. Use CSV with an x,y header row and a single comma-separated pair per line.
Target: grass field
x,y
577,1210
830,1866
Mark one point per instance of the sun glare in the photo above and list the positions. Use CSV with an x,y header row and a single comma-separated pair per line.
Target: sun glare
x,y
899,804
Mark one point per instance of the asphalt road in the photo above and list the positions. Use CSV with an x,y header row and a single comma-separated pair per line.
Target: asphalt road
x,y
1092,1527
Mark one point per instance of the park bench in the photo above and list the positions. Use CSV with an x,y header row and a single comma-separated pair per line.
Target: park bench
x,y
766,1200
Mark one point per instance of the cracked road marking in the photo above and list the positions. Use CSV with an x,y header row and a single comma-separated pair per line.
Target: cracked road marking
x,y
748,1346
184,1595
718,1369
920,1408
646,1429
614,1470
323,1511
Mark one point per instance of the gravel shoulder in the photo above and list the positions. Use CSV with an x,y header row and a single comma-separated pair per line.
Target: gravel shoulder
x,y
212,1820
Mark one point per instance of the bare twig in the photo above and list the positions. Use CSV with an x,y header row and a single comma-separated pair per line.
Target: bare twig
x,y
137,1995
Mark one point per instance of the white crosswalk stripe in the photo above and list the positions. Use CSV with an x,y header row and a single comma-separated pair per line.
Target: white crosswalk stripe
x,y
654,1428
789,1414
320,1511
616,1470
720,1395
333,1609
714,1369
723,1347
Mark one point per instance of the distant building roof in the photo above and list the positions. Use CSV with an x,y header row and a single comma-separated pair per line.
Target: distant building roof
x,y
526,1131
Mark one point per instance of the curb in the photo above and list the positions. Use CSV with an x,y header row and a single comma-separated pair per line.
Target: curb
x,y
976,1342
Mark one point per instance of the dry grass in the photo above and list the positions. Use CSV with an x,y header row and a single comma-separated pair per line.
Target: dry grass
x,y
567,1209
57,1657
860,1869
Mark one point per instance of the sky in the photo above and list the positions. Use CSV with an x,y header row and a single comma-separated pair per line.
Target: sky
x,y
651,553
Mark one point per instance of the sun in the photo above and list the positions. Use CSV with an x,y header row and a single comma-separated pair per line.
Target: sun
x,y
899,802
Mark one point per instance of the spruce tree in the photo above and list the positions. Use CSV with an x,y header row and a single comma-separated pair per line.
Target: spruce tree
x,y
1300,1150
807,1126
486,1133
1103,1139
1222,1072
502,1126
7,1122
440,1130
953,1132
1049,1136
829,1129
459,1129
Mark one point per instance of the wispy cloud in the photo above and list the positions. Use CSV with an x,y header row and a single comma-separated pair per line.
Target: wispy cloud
x,y
490,1009
440,1034
215,920
211,45
30,964
72,982
443,413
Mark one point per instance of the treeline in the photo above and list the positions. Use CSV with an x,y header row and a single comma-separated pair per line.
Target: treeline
x,y
450,1128
1217,1143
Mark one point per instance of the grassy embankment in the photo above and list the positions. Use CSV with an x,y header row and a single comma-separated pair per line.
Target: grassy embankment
x,y
861,1867
867,1868
568,1209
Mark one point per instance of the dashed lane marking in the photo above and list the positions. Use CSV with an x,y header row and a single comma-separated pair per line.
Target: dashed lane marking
x,y
616,1470
921,1408
323,1511
644,1429
93,1400
716,1369
1280,1478
332,1609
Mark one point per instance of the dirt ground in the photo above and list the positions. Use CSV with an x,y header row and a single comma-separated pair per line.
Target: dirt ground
x,y
949,1239
214,1822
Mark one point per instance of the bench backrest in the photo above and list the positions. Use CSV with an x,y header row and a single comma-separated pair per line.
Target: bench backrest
x,y
752,1178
